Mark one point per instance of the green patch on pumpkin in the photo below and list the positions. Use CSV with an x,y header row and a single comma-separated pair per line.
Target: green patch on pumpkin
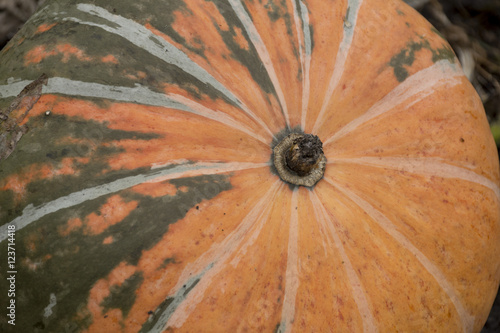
x,y
311,30
167,262
7,206
69,266
52,139
123,297
278,10
406,57
248,58
134,65
162,314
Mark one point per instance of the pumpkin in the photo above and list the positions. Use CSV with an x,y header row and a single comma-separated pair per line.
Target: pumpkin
x,y
146,147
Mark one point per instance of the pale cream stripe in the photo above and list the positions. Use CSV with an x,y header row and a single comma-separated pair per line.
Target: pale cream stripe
x,y
137,94
145,39
252,235
143,95
218,255
170,170
358,292
210,169
301,19
292,268
262,51
467,320
418,86
218,116
342,53
424,166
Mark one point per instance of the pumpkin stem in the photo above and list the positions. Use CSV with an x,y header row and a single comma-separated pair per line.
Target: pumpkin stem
x,y
304,154
299,159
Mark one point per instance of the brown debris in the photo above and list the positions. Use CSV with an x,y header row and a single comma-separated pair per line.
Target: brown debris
x,y
13,14
10,129
473,30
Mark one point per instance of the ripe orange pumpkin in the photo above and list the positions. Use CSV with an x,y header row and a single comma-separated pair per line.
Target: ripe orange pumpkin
x,y
139,191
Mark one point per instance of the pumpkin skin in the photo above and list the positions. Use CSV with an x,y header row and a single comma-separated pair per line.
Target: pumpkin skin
x,y
146,200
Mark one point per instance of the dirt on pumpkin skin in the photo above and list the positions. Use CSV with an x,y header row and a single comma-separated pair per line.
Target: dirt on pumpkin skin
x,y
471,26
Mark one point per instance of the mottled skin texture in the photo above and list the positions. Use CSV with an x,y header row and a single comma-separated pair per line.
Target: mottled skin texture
x,y
147,199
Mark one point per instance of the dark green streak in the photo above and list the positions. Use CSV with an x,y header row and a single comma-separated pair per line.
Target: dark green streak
x,y
47,142
80,259
123,297
406,57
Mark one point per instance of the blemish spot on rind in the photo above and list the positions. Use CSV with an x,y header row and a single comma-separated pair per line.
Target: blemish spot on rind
x,y
406,57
